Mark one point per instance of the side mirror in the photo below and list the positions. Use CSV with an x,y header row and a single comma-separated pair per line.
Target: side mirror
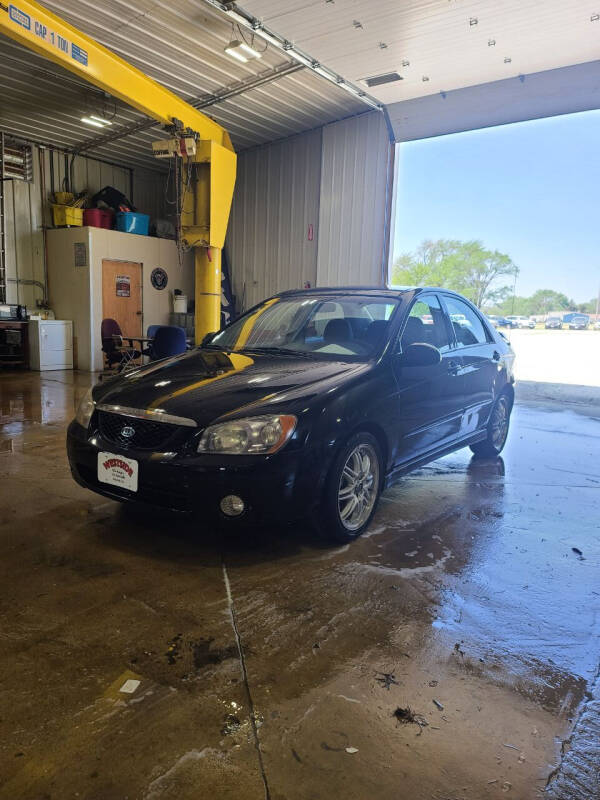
x,y
208,338
420,355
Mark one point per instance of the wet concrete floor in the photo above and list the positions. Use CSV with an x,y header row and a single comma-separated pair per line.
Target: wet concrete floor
x,y
273,666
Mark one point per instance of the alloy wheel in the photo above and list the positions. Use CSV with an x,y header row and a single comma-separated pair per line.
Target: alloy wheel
x,y
358,487
499,426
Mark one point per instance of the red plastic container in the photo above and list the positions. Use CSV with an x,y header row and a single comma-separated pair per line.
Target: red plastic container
x,y
98,218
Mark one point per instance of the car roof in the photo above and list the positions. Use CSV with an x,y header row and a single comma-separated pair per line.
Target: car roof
x,y
369,291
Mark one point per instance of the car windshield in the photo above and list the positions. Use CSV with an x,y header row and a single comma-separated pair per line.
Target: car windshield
x,y
347,327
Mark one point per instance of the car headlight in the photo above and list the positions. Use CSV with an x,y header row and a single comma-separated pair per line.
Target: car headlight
x,y
265,434
85,410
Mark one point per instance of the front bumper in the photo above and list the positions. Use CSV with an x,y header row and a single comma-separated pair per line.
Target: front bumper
x,y
282,487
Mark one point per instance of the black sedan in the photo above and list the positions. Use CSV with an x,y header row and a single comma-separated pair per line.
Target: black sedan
x,y
310,404
553,323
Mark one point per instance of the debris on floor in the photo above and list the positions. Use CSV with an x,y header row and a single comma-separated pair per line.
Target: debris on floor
x,y
129,686
232,725
408,717
352,750
172,653
386,679
437,704
578,552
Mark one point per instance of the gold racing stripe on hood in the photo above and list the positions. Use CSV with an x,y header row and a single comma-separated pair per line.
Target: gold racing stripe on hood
x,y
239,362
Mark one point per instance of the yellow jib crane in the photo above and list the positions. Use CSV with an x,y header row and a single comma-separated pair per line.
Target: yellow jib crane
x,y
204,146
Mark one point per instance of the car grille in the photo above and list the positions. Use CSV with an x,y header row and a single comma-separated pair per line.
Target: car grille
x,y
147,434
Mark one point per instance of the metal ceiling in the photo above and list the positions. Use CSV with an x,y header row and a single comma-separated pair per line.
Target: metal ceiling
x,y
179,43
436,45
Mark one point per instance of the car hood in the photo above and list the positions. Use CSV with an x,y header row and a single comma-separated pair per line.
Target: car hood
x,y
205,385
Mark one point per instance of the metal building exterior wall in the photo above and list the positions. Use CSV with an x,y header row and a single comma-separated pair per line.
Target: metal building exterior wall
x,y
355,189
333,185
273,232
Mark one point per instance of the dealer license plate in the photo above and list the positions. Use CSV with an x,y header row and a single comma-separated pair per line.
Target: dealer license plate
x,y
118,471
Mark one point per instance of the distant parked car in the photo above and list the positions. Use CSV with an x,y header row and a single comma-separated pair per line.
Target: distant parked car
x,y
597,324
578,323
500,322
521,322
553,323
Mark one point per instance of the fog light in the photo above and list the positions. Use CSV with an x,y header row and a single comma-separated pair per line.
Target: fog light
x,y
232,505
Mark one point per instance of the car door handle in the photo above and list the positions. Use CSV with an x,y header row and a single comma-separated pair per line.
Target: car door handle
x,y
453,367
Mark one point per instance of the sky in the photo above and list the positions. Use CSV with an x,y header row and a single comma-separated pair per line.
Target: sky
x,y
530,189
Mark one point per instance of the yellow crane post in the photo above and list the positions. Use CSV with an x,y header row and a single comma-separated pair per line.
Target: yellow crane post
x,y
209,154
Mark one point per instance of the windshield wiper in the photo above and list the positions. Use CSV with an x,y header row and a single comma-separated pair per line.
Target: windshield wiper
x,y
280,351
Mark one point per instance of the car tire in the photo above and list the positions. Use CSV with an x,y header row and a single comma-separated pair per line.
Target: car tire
x,y
497,429
356,475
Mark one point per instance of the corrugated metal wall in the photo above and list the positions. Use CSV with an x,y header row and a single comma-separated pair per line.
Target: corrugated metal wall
x,y
272,239
312,208
308,209
353,204
23,212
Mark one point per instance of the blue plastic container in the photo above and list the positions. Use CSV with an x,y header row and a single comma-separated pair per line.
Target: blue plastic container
x,y
132,222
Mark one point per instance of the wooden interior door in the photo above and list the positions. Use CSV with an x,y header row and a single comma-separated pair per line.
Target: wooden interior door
x,y
122,295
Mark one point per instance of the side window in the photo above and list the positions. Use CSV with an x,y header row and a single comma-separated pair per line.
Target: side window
x,y
426,323
468,328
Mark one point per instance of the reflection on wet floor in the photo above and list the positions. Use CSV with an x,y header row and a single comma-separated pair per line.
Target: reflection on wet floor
x,y
467,589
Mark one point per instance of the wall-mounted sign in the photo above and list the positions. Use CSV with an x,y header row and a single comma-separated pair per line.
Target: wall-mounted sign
x,y
80,254
123,286
159,278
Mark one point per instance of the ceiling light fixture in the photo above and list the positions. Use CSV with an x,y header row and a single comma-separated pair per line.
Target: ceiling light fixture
x,y
231,51
100,119
257,27
95,122
241,51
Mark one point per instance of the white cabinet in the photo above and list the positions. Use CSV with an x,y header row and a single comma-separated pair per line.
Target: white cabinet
x,y
50,344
